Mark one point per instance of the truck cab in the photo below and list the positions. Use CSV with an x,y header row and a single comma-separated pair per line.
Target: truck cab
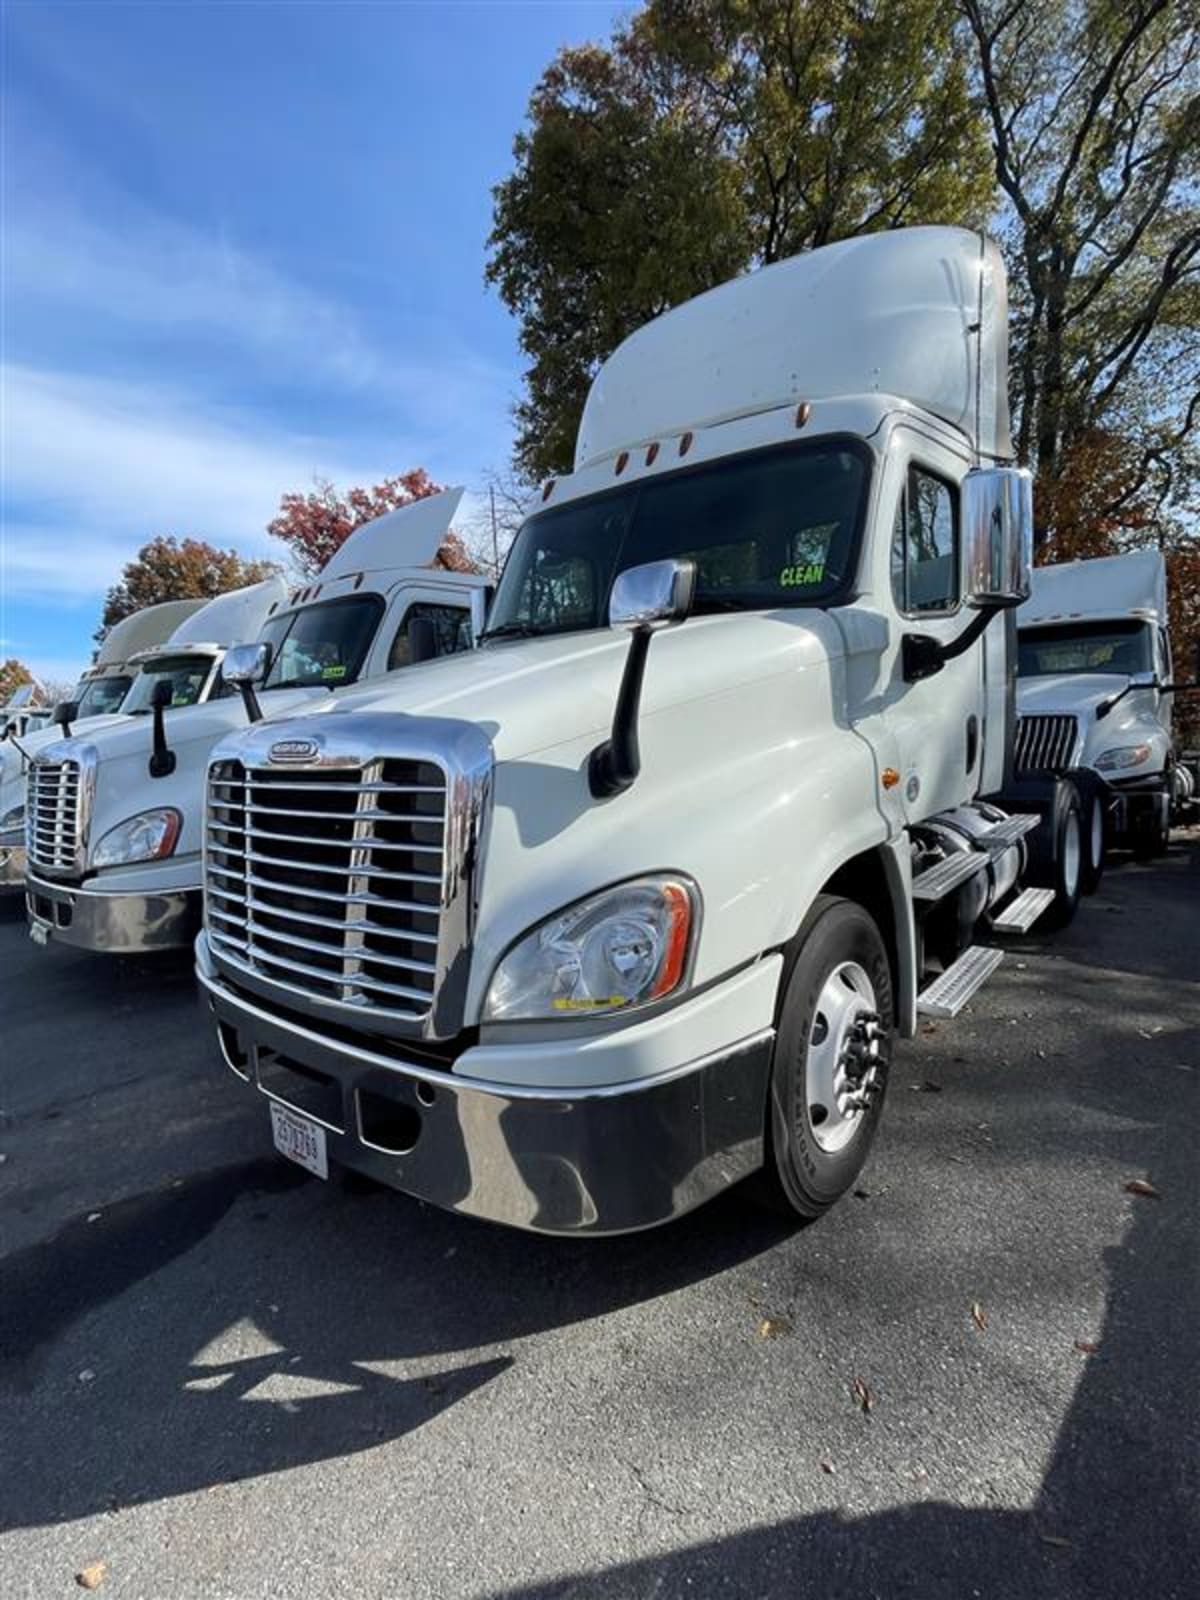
x,y
96,701
118,817
575,930
1094,689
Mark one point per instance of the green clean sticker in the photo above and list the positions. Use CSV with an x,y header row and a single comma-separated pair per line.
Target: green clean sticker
x,y
802,576
333,672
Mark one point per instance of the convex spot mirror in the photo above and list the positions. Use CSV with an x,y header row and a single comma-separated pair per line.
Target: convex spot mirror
x,y
997,535
652,595
246,663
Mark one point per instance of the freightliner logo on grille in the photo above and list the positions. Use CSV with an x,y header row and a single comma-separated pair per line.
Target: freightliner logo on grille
x,y
294,750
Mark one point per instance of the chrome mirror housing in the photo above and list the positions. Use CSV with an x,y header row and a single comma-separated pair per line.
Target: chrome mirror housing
x,y
246,664
997,535
653,595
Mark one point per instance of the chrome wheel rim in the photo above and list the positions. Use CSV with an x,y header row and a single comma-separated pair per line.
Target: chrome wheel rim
x,y
1071,856
841,1063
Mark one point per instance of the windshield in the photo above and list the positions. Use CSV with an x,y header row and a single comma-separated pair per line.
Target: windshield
x,y
324,644
1120,647
100,696
187,675
768,529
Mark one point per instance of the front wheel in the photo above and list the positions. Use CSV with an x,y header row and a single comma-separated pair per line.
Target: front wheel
x,y
1094,841
833,1049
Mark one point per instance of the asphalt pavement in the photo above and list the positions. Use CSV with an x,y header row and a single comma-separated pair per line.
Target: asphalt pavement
x,y
976,1377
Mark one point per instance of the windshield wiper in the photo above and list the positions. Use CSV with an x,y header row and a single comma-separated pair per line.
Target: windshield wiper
x,y
510,630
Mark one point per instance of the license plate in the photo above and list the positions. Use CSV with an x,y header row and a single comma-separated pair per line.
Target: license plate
x,y
299,1140
39,933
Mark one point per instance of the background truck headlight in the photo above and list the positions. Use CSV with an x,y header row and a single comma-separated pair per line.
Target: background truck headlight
x,y
13,818
615,950
1130,755
147,837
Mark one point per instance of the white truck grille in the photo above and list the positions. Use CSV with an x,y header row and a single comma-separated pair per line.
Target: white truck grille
x,y
1045,743
53,810
330,882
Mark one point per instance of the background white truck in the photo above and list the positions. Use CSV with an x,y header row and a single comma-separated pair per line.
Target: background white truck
x,y
97,698
574,930
115,819
1095,691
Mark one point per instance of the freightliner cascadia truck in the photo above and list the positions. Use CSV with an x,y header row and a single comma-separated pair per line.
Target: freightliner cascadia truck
x,y
115,820
575,929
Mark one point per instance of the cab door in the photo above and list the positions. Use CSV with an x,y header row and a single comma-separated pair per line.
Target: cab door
x,y
446,606
938,722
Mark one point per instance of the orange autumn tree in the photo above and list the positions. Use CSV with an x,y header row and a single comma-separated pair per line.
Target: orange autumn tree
x,y
315,525
169,568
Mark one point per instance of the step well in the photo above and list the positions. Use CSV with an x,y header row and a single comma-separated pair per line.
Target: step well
x,y
949,993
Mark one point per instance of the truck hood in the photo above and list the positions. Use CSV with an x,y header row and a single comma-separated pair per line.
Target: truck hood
x,y
531,695
1067,693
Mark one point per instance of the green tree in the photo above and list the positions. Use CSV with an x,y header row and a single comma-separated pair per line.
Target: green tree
x,y
1093,108
167,568
708,137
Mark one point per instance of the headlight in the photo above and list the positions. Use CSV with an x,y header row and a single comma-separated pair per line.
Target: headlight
x,y
14,818
1130,755
147,837
622,948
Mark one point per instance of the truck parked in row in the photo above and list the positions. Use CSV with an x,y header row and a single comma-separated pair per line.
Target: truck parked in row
x,y
1095,693
576,929
96,701
115,819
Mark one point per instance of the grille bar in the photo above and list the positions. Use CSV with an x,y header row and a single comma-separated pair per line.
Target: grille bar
x,y
54,815
331,882
1045,743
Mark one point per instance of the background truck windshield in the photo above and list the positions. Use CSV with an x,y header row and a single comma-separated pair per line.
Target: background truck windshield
x,y
768,529
1123,647
187,675
321,644
98,696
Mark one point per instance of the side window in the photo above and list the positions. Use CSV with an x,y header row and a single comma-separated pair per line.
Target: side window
x,y
925,545
1164,656
452,624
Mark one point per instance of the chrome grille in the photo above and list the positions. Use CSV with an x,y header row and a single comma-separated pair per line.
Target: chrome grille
x,y
53,809
1045,744
331,882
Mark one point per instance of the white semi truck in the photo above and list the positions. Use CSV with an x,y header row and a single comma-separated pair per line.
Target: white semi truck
x,y
575,930
96,701
115,819
1095,691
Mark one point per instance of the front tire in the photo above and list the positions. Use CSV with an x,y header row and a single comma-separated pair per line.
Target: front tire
x,y
1056,855
1094,840
833,1049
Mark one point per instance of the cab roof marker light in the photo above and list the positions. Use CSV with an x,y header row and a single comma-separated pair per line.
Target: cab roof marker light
x,y
548,489
622,462
803,413
685,443
652,454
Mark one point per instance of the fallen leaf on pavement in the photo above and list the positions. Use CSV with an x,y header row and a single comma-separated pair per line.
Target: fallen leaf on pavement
x,y
863,1396
774,1327
978,1316
1086,1347
92,1576
1143,1187
1053,1538
828,1468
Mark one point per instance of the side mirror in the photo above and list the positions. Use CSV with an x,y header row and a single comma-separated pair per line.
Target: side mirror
x,y
653,595
643,599
162,694
997,536
422,640
162,759
244,666
65,713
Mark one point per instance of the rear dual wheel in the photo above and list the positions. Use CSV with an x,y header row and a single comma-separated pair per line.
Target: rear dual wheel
x,y
833,1049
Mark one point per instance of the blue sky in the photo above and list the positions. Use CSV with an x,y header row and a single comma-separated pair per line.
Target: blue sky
x,y
243,244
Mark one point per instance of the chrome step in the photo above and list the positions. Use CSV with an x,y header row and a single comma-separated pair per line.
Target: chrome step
x,y
948,994
1009,831
1023,912
938,880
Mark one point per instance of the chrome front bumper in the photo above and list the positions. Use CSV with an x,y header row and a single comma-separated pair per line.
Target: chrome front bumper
x,y
12,864
605,1160
117,924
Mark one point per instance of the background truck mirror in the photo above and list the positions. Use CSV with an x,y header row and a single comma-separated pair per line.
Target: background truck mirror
x,y
162,759
65,713
997,536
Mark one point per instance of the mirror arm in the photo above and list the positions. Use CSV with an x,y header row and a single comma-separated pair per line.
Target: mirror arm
x,y
922,655
162,759
250,701
613,765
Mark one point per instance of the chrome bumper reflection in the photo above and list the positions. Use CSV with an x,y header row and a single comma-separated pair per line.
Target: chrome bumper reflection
x,y
117,924
608,1160
12,863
